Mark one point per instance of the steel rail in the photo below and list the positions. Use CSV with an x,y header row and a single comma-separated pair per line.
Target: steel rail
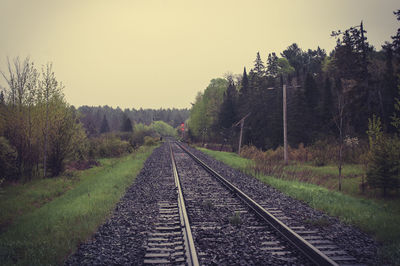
x,y
307,249
190,250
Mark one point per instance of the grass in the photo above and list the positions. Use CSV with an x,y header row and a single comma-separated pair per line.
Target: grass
x,y
55,215
380,218
348,169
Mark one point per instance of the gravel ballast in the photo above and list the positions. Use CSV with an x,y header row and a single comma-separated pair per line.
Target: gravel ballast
x,y
123,237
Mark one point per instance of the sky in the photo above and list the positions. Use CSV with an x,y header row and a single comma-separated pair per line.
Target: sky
x,y
161,53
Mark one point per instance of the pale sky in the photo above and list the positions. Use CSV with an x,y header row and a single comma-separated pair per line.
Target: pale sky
x,y
160,53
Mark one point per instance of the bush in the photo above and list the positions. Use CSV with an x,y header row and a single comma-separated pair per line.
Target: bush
x,y
108,146
323,152
268,162
150,141
163,129
8,160
137,138
384,167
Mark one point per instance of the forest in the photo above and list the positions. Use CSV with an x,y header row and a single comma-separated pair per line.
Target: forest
x,y
354,76
342,105
118,119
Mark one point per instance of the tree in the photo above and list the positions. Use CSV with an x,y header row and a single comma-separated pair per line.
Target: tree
x,y
272,65
351,65
50,89
228,114
284,67
295,56
259,68
204,112
396,38
326,106
126,124
243,94
104,128
8,160
163,129
2,100
396,114
22,85
37,120
384,166
340,122
64,132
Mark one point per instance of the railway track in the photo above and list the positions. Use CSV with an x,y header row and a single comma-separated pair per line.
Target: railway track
x,y
171,240
154,224
229,227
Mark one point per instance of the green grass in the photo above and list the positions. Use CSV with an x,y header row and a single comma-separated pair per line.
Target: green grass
x,y
56,215
347,170
229,158
20,199
380,218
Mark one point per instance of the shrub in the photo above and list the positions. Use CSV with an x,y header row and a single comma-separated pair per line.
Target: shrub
x,y
163,129
137,138
149,141
108,146
301,154
384,167
8,160
268,162
323,152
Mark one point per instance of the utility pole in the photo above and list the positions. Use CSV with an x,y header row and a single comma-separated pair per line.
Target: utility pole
x,y
285,145
241,122
285,151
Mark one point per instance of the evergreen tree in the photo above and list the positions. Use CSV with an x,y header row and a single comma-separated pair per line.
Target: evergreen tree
x,y
351,62
389,87
126,124
295,56
2,100
104,126
259,68
243,95
227,114
272,65
396,113
298,117
384,166
311,92
396,38
326,107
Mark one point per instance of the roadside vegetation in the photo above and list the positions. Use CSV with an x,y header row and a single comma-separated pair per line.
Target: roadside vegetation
x,y
43,221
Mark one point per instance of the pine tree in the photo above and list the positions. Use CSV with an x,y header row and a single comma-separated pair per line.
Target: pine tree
x,y
126,124
396,38
272,65
104,126
259,68
2,100
326,106
227,114
384,166
243,95
396,114
311,92
299,123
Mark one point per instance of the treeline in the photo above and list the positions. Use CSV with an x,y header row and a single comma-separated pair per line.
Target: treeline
x,y
40,133
328,95
102,119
